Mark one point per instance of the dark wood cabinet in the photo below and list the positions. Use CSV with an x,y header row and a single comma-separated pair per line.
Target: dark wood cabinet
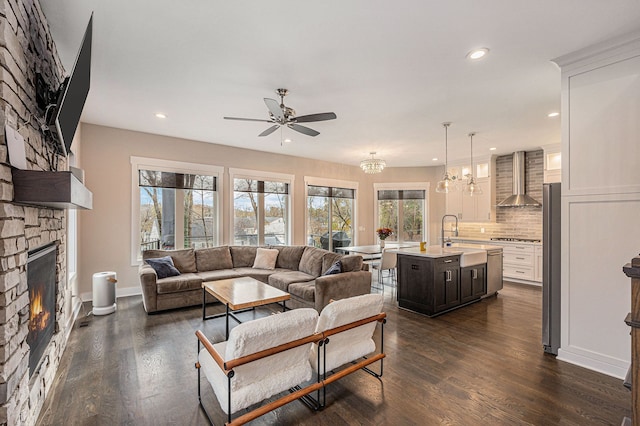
x,y
473,283
428,285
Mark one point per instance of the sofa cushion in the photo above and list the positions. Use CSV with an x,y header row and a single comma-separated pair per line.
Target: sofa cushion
x,y
220,274
328,260
213,258
305,291
259,274
281,280
184,260
243,256
289,257
265,258
183,282
311,261
163,266
352,263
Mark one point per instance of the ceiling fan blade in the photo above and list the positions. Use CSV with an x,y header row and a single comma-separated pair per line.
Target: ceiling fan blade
x,y
269,130
323,116
247,119
274,107
303,129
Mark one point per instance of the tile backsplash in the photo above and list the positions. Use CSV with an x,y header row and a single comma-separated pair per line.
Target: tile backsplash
x,y
513,222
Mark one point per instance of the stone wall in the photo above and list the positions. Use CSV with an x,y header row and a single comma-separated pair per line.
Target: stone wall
x,y
26,48
521,222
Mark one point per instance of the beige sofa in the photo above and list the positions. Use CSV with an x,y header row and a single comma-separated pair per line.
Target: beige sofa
x,y
298,271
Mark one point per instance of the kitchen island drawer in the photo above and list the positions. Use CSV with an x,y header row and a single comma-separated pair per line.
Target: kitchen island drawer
x,y
516,271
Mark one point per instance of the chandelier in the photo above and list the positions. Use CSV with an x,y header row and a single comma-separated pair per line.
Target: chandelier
x,y
372,165
447,184
472,187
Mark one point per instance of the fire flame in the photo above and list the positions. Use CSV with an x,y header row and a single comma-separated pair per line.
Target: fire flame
x,y
38,318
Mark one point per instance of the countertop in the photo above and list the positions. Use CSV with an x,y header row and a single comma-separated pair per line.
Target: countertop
x,y
453,250
476,241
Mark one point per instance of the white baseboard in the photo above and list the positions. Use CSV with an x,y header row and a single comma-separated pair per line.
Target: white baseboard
x,y
120,292
594,361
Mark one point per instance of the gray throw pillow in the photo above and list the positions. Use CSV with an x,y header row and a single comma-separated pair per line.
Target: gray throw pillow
x,y
163,266
336,268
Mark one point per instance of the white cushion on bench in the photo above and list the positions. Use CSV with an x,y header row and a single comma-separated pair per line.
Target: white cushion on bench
x,y
261,379
352,344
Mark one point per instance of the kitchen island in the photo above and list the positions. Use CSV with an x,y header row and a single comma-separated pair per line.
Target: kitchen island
x,y
438,279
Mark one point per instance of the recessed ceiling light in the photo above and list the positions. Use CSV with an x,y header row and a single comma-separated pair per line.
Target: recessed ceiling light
x,y
492,148
553,114
434,159
287,140
476,54
160,115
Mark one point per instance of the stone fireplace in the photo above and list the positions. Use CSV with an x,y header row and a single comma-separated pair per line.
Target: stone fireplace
x,y
41,283
27,52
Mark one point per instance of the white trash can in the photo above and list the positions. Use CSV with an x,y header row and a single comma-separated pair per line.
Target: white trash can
x,y
104,293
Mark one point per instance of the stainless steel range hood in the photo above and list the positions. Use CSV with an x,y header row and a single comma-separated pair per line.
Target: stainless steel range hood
x,y
519,198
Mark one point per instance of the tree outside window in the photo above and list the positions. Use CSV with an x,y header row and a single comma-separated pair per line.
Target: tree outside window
x,y
329,217
403,211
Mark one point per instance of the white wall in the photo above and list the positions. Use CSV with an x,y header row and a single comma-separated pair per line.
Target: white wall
x,y
105,231
600,201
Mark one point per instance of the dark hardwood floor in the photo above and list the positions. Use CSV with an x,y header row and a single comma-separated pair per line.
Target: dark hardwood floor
x,y
479,365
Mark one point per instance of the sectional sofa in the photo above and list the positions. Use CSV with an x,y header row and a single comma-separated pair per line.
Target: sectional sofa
x,y
298,270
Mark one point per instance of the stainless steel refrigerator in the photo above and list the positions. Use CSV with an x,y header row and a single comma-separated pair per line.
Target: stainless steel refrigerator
x,y
551,267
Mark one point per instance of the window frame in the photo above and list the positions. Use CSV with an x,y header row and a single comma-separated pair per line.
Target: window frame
x,y
146,163
289,179
421,186
335,183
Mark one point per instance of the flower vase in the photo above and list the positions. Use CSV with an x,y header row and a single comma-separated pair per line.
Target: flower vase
x,y
381,244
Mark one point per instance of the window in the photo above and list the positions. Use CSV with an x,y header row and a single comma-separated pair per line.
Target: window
x,y
175,205
330,213
402,207
261,208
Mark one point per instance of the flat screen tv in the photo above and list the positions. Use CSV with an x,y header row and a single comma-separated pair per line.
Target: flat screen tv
x,y
72,96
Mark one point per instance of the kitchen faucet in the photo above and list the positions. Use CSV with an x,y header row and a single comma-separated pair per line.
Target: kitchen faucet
x,y
442,228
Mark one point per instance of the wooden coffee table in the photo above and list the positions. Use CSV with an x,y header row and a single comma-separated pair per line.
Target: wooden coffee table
x,y
239,295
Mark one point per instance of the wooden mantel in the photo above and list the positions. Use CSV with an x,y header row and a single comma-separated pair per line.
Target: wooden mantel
x,y
57,190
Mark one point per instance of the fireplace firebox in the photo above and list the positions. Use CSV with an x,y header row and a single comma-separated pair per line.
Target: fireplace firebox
x,y
41,282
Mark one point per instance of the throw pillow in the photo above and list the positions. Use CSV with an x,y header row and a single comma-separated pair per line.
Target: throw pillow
x,y
265,258
163,266
336,268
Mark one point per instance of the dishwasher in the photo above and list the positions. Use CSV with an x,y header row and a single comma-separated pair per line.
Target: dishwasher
x,y
494,271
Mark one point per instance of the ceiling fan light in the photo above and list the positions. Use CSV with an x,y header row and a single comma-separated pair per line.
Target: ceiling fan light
x,y
372,165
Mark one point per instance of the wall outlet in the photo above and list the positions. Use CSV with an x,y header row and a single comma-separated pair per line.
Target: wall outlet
x,y
482,230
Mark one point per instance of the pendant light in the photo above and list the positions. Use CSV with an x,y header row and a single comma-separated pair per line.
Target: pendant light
x,y
446,185
472,187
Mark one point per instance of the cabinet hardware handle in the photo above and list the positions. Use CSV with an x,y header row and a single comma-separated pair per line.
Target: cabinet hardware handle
x,y
448,261
448,275
475,274
520,272
415,267
520,258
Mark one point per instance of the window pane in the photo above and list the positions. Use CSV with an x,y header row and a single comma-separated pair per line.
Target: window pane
x,y
275,221
388,217
413,213
199,218
157,217
245,218
318,221
342,223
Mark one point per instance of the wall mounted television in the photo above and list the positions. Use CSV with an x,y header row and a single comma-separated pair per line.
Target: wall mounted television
x,y
71,96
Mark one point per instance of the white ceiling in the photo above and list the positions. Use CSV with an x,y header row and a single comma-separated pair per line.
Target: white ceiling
x,y
391,71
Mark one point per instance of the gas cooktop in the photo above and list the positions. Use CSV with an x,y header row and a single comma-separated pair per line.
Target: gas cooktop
x,y
522,240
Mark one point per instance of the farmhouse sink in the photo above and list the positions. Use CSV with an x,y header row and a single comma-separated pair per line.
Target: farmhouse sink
x,y
469,256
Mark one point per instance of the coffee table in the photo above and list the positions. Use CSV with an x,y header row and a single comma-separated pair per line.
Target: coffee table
x,y
239,295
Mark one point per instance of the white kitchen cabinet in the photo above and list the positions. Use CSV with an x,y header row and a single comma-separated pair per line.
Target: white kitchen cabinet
x,y
479,208
520,261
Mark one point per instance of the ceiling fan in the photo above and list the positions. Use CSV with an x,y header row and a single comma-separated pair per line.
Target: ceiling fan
x,y
282,115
